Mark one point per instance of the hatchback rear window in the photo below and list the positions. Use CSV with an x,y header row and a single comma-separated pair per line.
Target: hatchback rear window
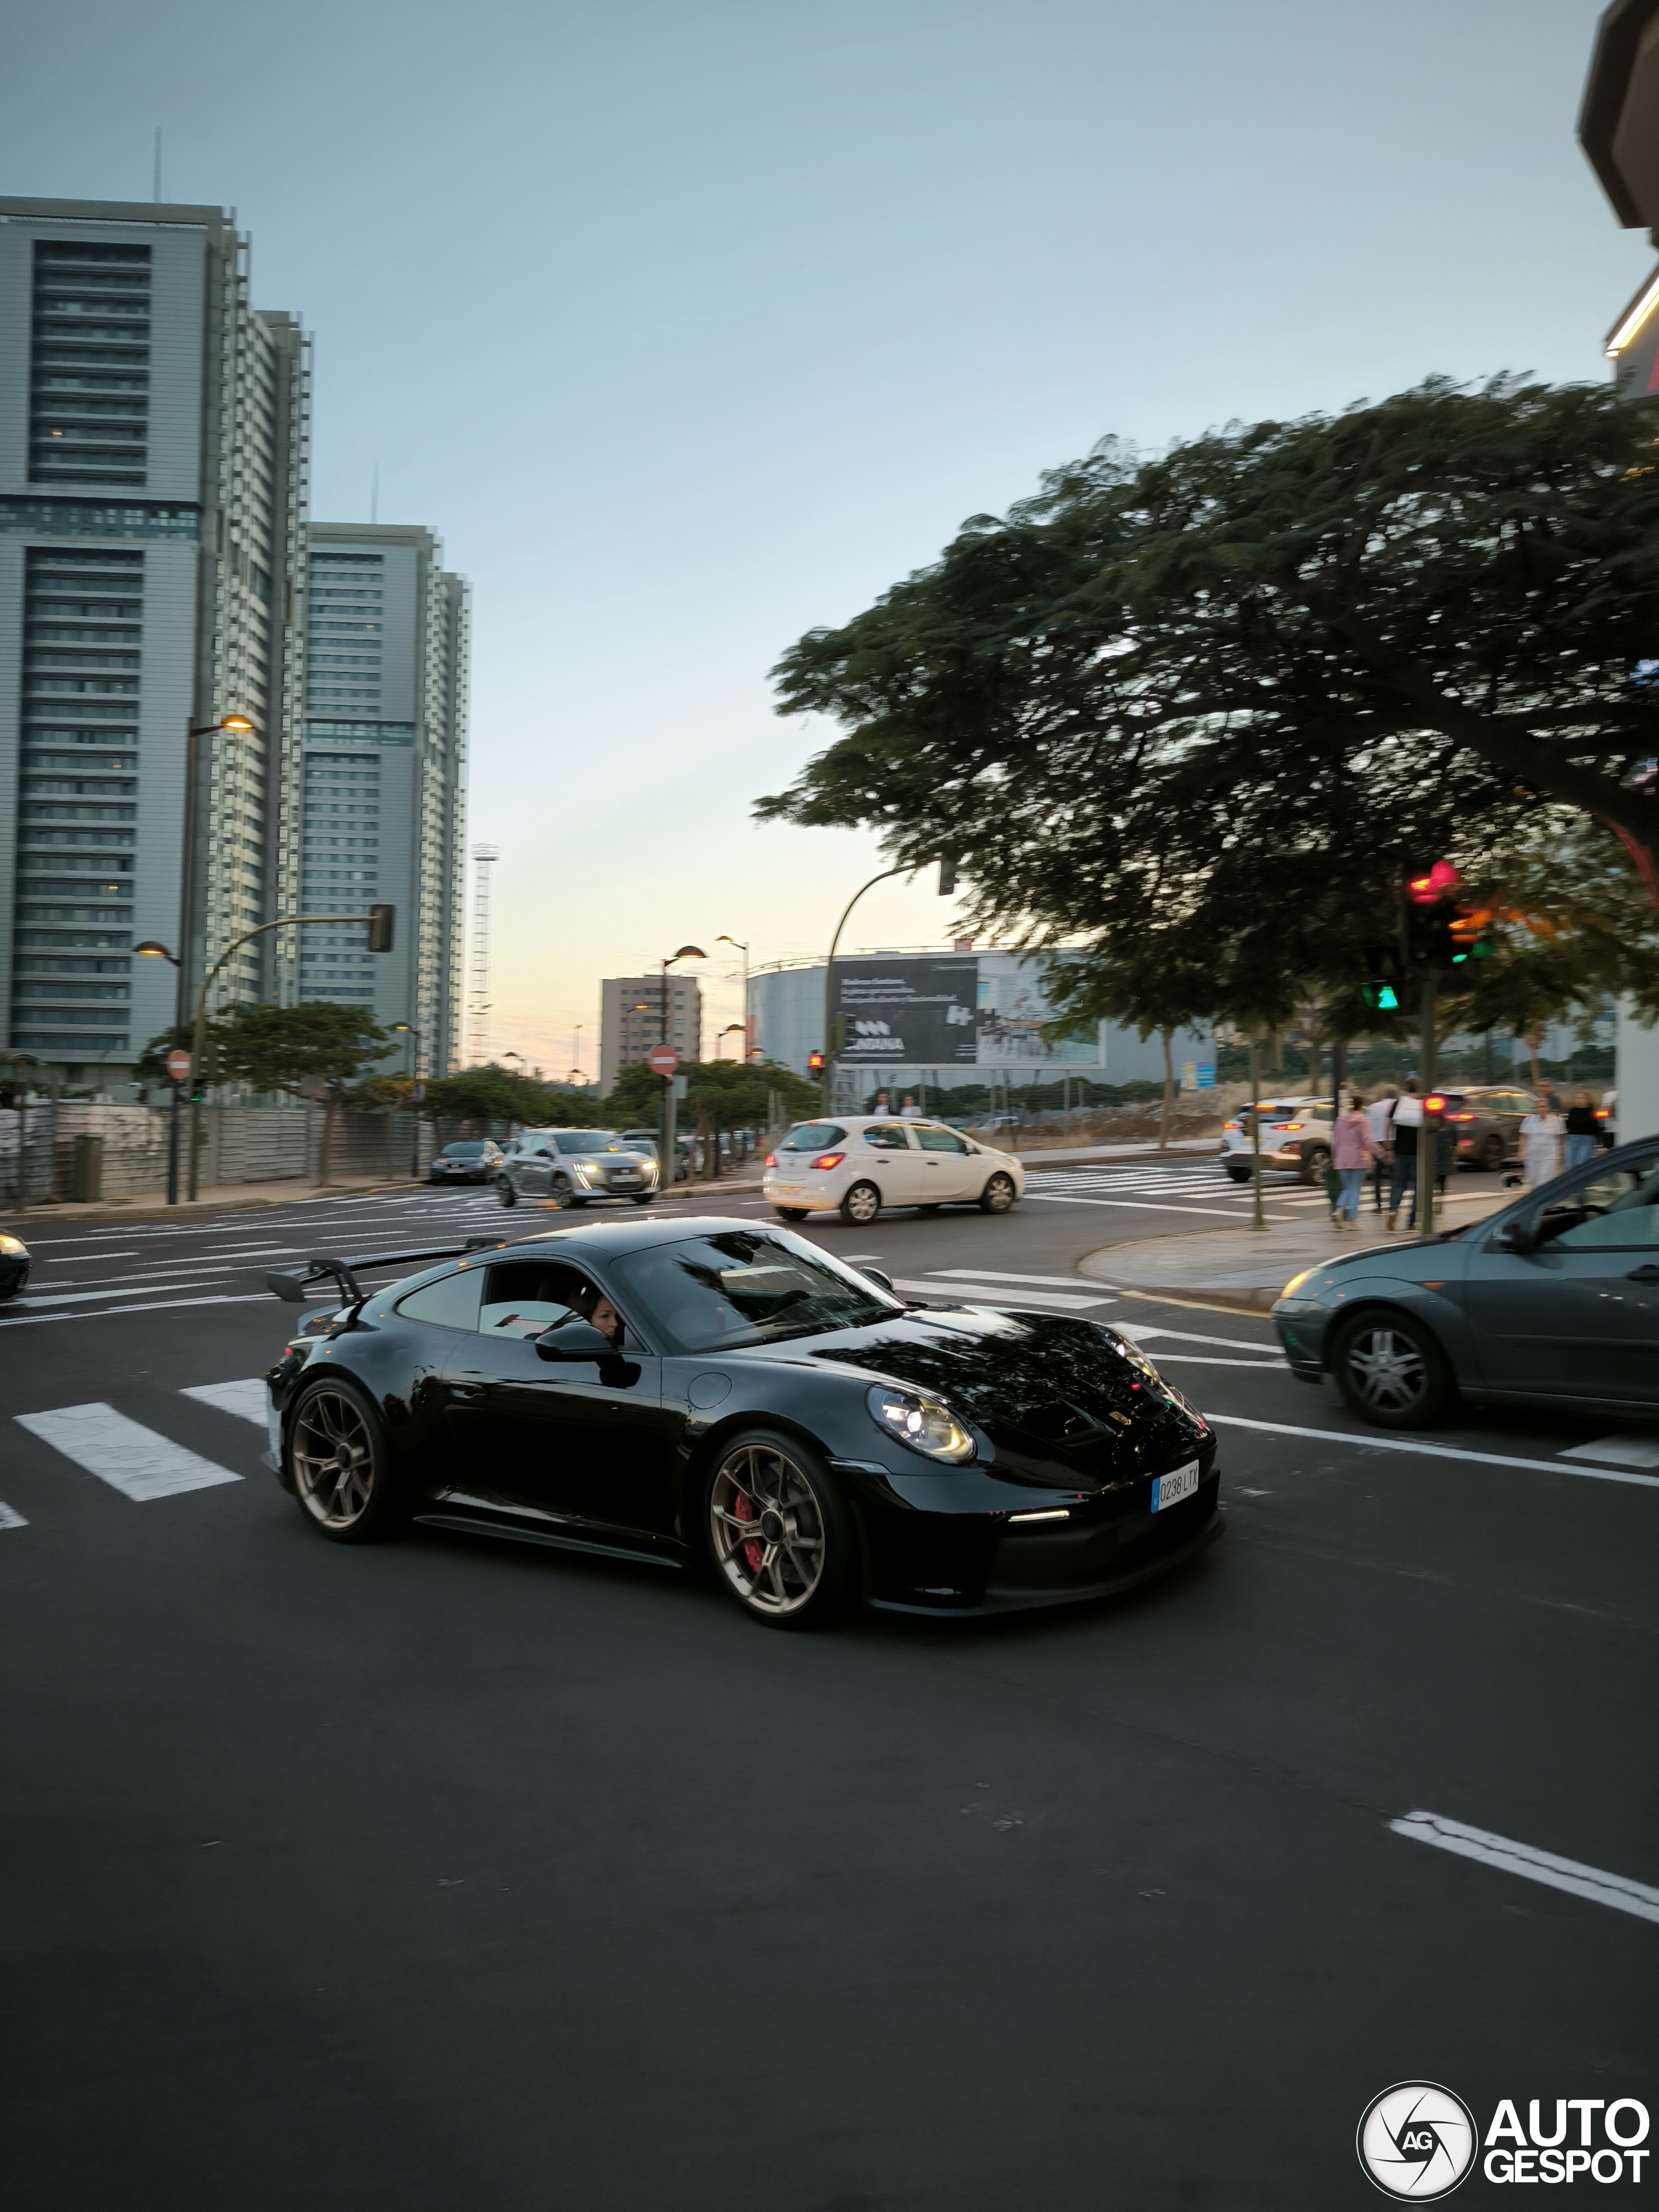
x,y
813,1137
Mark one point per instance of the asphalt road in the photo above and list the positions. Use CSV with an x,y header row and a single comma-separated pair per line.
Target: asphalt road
x,y
438,1874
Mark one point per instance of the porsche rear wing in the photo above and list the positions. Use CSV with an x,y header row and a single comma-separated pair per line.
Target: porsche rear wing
x,y
323,1268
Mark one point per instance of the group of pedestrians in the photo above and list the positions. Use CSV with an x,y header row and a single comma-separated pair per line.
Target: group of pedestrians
x,y
1384,1135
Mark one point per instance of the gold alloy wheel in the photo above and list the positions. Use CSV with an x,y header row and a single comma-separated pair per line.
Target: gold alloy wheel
x,y
333,1459
767,1530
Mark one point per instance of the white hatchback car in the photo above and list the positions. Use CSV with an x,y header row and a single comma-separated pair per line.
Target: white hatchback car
x,y
856,1165
1296,1134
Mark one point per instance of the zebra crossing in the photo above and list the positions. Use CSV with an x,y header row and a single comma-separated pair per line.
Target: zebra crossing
x,y
1201,1187
141,1463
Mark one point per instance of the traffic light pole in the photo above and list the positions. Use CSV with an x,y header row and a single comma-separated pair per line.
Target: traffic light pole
x,y
1258,1219
1427,1134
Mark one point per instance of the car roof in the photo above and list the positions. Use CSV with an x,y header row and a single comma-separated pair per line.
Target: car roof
x,y
864,1120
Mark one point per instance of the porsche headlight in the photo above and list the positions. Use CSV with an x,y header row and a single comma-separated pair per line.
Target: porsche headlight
x,y
12,1245
924,1424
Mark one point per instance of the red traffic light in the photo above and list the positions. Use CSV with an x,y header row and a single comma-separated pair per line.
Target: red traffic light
x,y
815,1063
1432,885
1434,1104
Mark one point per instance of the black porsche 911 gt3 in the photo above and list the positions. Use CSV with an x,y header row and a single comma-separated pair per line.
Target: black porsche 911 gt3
x,y
707,1393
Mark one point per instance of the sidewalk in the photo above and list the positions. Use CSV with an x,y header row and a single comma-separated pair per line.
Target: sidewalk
x,y
1246,1269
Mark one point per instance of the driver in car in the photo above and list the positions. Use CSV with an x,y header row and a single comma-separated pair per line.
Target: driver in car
x,y
596,1309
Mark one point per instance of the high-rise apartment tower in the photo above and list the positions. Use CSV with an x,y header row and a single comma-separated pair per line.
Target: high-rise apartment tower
x,y
154,437
633,1015
385,777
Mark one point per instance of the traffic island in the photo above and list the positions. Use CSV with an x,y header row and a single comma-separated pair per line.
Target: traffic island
x,y
1246,1269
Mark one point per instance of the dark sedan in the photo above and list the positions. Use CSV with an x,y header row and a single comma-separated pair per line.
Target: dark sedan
x,y
1554,1301
468,1160
707,1394
13,1265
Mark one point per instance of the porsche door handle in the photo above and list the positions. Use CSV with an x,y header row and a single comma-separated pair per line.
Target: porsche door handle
x,y
464,1394
1648,1275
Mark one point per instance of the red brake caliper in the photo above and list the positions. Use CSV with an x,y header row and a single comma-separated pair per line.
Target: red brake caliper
x,y
753,1554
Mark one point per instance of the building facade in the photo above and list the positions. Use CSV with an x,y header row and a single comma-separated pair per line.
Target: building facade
x,y
631,1020
154,460
385,778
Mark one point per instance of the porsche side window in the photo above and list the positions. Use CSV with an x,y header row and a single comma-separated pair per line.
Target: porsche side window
x,y
525,1297
450,1303
938,1140
887,1137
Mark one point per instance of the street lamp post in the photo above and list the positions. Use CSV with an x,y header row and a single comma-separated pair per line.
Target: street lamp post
x,y
415,1092
233,726
668,1174
828,981
737,943
155,951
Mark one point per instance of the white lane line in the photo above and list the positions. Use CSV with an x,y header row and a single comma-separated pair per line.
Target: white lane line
x,y
1369,1443
10,1517
129,1457
100,1254
1142,1329
1633,1449
161,1305
31,1298
1617,1890
996,1295
1002,1275
1139,1204
246,1399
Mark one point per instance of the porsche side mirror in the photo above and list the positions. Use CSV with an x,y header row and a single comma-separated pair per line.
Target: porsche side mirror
x,y
877,1275
573,1339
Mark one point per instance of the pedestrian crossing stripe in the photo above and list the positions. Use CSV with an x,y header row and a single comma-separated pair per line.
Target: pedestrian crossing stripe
x,y
247,1398
10,1517
132,1459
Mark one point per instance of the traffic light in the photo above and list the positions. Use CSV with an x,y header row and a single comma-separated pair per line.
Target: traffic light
x,y
1433,885
815,1063
1382,992
381,919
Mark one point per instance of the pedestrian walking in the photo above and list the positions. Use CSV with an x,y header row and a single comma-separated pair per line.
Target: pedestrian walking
x,y
1541,1135
1584,1129
1379,1117
1351,1153
909,1111
1402,1150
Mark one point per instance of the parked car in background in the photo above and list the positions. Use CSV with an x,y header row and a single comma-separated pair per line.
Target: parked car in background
x,y
1296,1135
857,1164
469,1159
574,1167
1485,1120
650,1141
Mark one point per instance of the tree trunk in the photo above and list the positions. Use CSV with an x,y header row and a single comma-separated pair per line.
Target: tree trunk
x,y
1168,1115
1535,1038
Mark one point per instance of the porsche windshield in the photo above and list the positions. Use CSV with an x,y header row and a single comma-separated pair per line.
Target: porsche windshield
x,y
718,1294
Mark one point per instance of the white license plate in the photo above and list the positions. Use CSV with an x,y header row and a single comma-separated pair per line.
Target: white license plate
x,y
625,1178
1169,1489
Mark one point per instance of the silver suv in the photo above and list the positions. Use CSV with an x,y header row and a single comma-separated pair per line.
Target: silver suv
x,y
573,1167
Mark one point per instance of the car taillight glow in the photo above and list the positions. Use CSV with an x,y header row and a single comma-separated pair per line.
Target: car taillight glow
x,y
1434,1104
1601,1113
771,1159
1230,1125
827,1160
1288,1126
1459,1117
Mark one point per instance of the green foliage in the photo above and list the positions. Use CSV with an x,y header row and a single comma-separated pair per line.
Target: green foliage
x,y
1203,712
496,1094
720,1094
320,1045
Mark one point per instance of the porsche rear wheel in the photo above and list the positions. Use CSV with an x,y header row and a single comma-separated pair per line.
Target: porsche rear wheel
x,y
779,1532
861,1205
338,1463
998,1195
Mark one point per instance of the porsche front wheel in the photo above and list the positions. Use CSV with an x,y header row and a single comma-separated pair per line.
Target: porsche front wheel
x,y
780,1533
337,1463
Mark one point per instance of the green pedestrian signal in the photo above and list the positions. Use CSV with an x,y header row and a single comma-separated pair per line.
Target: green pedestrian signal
x,y
1381,998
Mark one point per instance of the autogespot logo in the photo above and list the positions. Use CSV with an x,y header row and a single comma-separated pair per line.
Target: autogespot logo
x,y
1416,2141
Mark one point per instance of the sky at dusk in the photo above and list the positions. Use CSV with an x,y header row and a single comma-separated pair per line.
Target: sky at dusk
x,y
690,327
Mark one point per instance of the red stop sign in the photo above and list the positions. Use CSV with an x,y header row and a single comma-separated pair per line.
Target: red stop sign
x,y
178,1065
662,1059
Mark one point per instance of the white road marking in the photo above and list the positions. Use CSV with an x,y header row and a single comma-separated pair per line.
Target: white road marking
x,y
10,1517
1632,1448
1368,1442
245,1398
1002,1275
34,1298
1617,1890
1142,1329
129,1457
992,1294
98,1254
1139,1204
159,1305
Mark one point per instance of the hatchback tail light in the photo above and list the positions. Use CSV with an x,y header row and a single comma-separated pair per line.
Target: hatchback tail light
x,y
771,1159
1288,1126
1434,1104
1459,1117
1230,1125
827,1160
1601,1113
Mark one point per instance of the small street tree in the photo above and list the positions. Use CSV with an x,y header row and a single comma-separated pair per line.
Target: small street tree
x,y
311,1050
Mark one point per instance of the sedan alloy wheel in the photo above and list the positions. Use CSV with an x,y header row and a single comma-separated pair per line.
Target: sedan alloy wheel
x,y
998,1195
1392,1371
861,1205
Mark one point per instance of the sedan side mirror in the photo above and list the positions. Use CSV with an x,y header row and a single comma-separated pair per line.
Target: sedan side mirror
x,y
1517,1238
877,1275
573,1339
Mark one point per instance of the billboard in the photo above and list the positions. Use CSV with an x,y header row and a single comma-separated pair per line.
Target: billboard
x,y
955,1011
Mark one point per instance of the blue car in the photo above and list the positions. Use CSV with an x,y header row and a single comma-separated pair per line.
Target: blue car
x,y
1553,1302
